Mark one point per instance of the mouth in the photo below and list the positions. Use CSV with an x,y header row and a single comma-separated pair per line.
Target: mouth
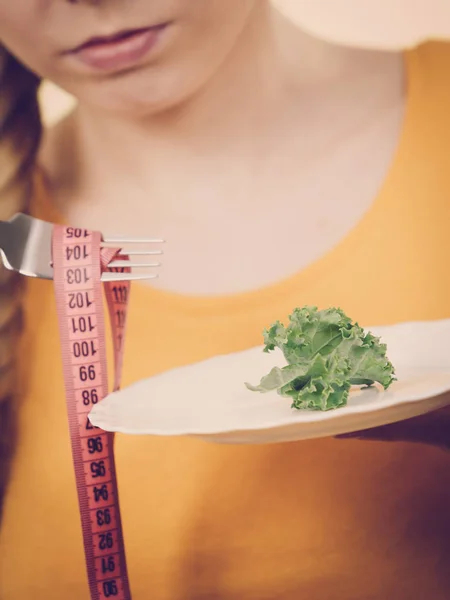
x,y
119,51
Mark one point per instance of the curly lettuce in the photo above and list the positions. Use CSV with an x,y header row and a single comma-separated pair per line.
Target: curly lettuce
x,y
327,354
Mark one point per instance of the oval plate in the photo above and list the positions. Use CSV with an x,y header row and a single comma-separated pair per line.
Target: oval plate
x,y
209,399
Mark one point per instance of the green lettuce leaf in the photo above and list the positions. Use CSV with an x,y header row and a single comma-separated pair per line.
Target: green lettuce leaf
x,y
326,355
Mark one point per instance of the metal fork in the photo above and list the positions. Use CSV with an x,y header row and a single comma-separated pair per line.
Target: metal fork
x,y
26,247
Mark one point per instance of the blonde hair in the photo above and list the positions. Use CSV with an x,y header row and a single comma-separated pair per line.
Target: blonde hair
x,y
20,132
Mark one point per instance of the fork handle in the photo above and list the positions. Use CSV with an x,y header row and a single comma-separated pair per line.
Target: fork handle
x,y
5,235
4,228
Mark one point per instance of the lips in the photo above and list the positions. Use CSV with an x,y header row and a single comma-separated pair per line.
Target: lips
x,y
122,50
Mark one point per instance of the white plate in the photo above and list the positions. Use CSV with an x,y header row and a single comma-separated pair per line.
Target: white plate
x,y
209,399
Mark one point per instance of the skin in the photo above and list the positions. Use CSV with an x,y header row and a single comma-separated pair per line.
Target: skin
x,y
243,107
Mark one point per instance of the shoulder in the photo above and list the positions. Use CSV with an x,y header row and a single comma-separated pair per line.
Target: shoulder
x,y
434,57
429,82
430,68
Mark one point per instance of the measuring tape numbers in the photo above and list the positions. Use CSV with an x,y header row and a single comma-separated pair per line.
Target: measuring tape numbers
x,y
78,261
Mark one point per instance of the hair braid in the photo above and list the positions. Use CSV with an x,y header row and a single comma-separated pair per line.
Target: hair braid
x,y
20,132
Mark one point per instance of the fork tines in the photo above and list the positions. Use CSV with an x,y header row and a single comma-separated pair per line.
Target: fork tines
x,y
120,263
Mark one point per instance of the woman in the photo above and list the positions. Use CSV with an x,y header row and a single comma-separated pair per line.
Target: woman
x,y
284,171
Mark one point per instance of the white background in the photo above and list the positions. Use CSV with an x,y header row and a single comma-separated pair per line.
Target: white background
x,y
376,23
383,23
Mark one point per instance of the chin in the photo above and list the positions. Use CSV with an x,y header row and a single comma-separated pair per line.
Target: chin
x,y
139,93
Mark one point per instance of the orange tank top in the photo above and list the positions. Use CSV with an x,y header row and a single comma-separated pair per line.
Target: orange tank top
x,y
316,520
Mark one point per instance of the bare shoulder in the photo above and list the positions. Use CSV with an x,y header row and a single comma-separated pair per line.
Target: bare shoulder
x,y
321,70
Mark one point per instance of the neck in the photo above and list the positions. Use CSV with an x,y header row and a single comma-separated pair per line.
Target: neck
x,y
274,76
269,61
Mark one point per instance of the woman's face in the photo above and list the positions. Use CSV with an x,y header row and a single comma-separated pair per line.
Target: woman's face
x,y
137,56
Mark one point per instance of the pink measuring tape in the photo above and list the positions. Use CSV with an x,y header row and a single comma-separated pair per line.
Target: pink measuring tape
x,y
78,262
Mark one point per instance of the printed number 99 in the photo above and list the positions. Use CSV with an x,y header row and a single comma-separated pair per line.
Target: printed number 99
x,y
87,373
